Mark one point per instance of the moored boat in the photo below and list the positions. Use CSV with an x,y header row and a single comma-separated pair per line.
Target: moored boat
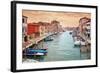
x,y
83,43
48,39
77,43
31,51
30,60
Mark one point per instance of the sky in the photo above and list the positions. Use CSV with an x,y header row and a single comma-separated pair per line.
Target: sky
x,y
66,19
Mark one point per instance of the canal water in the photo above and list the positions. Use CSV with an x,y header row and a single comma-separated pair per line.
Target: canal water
x,y
62,49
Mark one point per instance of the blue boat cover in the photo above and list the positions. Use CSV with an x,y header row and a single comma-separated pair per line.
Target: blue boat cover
x,y
31,50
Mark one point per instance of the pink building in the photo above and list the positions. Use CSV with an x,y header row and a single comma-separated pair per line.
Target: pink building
x,y
83,22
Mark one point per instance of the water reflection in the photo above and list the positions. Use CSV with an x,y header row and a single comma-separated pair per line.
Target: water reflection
x,y
62,49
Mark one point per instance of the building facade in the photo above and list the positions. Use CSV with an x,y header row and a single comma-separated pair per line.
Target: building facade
x,y
85,28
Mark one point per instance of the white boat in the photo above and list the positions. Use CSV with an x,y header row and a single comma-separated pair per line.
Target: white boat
x,y
75,38
77,43
83,43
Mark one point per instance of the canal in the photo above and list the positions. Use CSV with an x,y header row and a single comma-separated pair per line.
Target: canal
x,y
62,49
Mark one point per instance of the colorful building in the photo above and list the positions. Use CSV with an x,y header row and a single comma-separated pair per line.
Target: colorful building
x,y
55,26
83,23
24,24
85,28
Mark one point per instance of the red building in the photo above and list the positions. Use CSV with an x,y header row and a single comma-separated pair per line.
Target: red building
x,y
33,29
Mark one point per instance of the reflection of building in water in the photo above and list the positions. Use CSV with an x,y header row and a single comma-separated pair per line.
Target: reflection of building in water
x,y
55,26
85,48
